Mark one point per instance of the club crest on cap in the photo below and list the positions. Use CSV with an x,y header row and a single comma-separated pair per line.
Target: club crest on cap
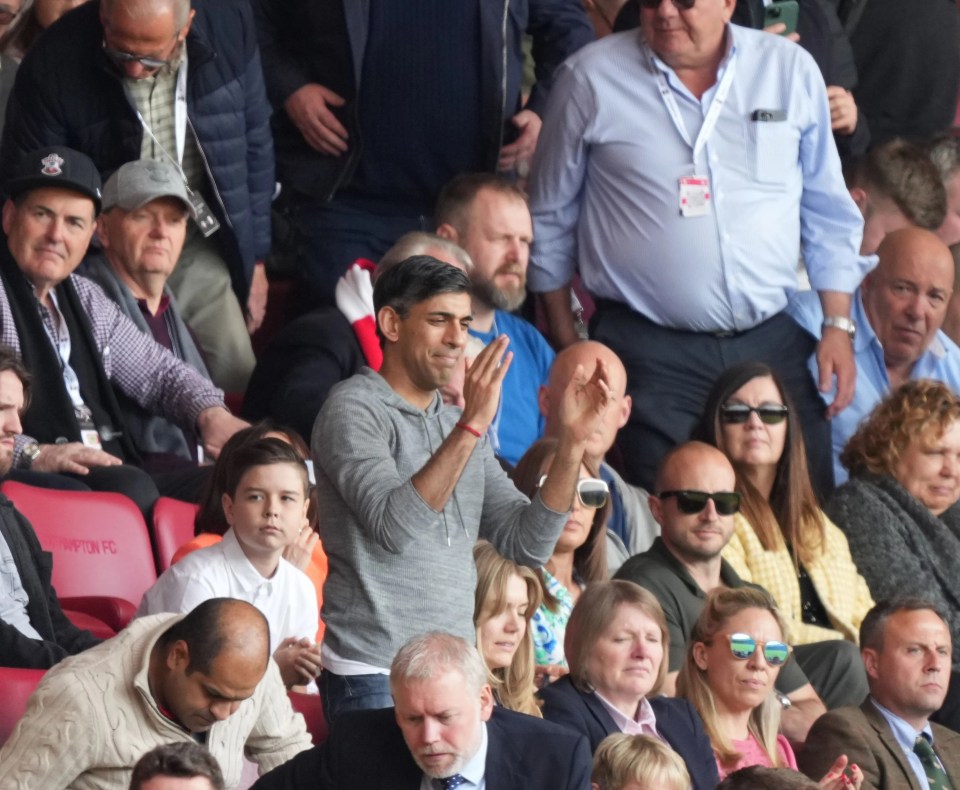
x,y
52,165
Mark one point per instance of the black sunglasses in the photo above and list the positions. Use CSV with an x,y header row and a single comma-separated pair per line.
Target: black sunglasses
x,y
739,413
726,502
683,5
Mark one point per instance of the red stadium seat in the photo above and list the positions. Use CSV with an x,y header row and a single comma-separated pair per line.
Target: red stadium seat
x,y
100,546
16,686
172,527
312,709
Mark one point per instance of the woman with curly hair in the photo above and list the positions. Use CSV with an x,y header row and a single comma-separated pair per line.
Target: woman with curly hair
x,y
899,509
578,559
506,597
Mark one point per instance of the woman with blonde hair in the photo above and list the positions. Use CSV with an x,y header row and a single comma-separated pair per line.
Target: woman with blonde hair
x,y
506,597
734,654
615,644
637,762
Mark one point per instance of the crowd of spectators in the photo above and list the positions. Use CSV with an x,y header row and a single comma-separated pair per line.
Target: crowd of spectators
x,y
632,462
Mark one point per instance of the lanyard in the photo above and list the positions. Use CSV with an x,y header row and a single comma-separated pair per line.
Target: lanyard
x,y
713,114
179,121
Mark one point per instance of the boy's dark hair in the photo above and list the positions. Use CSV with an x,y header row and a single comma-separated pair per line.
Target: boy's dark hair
x,y
262,452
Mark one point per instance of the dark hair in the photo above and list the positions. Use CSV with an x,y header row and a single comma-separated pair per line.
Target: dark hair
x,y
792,515
458,194
10,360
875,621
904,173
418,278
182,760
262,452
210,517
759,777
204,632
590,559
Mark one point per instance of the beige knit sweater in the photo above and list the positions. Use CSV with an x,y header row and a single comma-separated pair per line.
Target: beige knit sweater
x,y
92,717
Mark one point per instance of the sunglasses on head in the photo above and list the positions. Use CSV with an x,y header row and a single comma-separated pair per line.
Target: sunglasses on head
x,y
591,491
726,502
737,413
683,5
742,646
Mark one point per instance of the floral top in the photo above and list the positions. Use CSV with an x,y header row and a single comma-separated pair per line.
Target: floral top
x,y
549,627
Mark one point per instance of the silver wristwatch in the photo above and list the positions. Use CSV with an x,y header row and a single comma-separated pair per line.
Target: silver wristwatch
x,y
848,325
29,454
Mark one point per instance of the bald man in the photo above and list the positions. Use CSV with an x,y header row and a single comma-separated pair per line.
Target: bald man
x,y
899,310
631,527
205,677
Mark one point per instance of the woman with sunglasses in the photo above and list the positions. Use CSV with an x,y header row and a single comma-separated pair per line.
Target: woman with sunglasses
x,y
615,644
734,654
506,597
578,559
782,540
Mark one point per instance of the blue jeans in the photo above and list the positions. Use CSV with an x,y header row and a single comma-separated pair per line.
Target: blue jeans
x,y
343,693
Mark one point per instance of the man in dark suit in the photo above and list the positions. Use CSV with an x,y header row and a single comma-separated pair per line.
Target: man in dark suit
x,y
34,631
445,727
906,651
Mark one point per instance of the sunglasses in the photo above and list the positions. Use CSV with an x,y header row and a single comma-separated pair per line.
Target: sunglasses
x,y
683,5
739,413
591,491
742,646
120,58
726,502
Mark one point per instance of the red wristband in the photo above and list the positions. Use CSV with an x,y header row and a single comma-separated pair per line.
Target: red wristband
x,y
469,429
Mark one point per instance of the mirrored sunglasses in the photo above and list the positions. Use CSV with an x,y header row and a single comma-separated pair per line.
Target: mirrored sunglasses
x,y
737,413
726,502
591,491
742,646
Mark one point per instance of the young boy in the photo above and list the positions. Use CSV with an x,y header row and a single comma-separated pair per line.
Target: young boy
x,y
266,507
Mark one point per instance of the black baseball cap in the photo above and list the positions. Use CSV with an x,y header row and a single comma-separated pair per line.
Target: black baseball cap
x,y
57,167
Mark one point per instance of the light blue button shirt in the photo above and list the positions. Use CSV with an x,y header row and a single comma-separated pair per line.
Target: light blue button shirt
x,y
941,362
905,737
605,185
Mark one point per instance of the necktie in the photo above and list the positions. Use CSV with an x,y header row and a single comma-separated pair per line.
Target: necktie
x,y
936,776
453,782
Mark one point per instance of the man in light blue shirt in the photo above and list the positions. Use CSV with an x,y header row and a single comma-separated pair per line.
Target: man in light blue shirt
x,y
906,650
898,311
681,171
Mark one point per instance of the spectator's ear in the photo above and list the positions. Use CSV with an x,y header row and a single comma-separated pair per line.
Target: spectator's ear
x,y
543,400
9,212
186,27
388,322
626,406
859,196
447,231
870,662
103,232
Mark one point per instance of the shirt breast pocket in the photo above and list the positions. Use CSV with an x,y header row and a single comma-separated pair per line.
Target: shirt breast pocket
x,y
774,151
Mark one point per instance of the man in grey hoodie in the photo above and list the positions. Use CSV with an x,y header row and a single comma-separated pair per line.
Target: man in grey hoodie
x,y
406,485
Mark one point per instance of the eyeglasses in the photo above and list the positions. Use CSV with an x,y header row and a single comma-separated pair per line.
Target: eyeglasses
x,y
120,58
726,502
738,413
591,491
742,646
683,5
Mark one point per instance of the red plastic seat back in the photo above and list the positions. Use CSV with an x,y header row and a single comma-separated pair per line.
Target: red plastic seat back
x,y
99,541
172,527
312,709
16,686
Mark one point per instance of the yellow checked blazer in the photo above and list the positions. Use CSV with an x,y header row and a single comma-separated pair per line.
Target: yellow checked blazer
x,y
841,588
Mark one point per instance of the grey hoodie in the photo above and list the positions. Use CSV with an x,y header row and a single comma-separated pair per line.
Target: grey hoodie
x,y
398,568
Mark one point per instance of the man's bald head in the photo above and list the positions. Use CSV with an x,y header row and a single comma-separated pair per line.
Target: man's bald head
x,y
587,353
907,295
674,470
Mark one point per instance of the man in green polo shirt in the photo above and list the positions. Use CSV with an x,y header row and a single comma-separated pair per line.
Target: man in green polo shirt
x,y
685,563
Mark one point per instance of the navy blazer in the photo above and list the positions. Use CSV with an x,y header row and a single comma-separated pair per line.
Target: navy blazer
x,y
678,723
366,751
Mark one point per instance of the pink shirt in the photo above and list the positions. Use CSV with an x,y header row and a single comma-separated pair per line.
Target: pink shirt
x,y
753,754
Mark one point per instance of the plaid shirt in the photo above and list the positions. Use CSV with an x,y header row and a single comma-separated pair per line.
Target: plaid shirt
x,y
142,369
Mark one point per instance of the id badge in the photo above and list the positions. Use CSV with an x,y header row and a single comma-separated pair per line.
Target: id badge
x,y
695,196
90,436
202,214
